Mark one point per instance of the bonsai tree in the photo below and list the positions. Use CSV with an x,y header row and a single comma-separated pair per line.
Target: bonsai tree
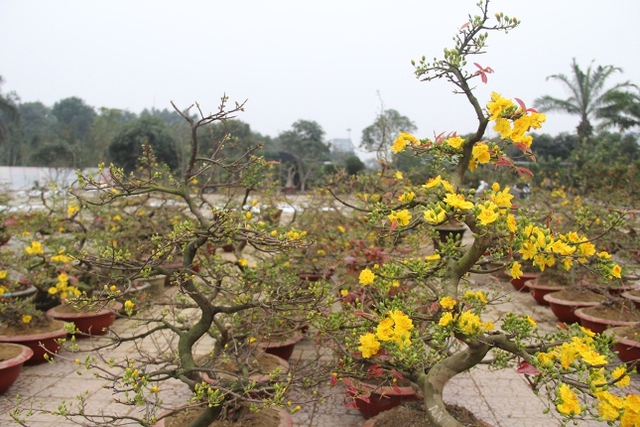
x,y
215,293
439,326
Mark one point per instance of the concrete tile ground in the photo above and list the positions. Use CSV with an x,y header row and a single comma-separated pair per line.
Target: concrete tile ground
x,y
501,398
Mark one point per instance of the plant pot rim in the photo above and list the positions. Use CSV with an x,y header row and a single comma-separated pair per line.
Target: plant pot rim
x,y
536,285
258,377
381,390
553,299
527,276
25,354
622,340
586,316
56,333
29,289
115,307
631,297
294,339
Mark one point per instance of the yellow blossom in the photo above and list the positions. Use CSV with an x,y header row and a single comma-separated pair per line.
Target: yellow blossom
x,y
498,105
432,257
445,319
511,223
433,217
398,175
516,271
366,277
457,201
403,217
341,229
369,345
616,271
488,214
455,142
3,274
447,303
344,292
26,318
243,262
481,153
407,197
569,403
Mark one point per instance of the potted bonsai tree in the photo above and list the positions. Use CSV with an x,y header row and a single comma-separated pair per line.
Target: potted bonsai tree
x,y
207,301
394,339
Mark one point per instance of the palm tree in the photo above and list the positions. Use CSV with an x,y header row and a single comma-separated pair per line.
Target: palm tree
x,y
622,110
588,94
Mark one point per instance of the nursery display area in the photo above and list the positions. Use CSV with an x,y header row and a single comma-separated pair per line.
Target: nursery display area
x,y
159,295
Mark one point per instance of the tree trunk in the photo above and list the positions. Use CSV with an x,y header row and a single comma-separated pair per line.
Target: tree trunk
x,y
432,383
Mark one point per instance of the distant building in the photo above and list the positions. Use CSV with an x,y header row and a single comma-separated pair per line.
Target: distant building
x,y
341,145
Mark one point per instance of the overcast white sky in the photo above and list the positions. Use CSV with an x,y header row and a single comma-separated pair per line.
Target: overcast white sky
x,y
301,59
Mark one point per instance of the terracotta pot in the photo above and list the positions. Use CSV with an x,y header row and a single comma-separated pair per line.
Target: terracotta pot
x,y
310,277
89,322
538,291
381,398
633,296
520,283
281,345
563,305
628,348
621,289
10,369
589,319
285,418
42,344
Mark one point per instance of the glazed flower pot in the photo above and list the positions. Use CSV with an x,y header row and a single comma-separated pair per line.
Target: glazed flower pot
x,y
12,357
157,283
628,342
86,321
381,398
29,291
538,291
599,318
564,303
42,343
520,283
281,345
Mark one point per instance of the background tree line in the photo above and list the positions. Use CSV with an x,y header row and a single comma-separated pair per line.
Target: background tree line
x,y
73,134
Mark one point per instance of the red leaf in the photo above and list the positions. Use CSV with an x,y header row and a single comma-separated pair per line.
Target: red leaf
x,y
527,368
522,171
350,402
522,104
394,225
465,25
396,374
334,380
396,388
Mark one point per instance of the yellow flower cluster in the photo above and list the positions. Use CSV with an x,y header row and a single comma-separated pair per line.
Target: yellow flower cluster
x,y
435,215
407,197
63,289
34,249
438,181
396,327
505,112
579,348
402,141
542,247
467,322
569,402
457,201
73,208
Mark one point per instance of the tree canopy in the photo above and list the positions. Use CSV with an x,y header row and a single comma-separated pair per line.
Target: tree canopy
x,y
126,147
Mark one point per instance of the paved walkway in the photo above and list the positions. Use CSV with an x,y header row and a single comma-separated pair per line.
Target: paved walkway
x,y
500,398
